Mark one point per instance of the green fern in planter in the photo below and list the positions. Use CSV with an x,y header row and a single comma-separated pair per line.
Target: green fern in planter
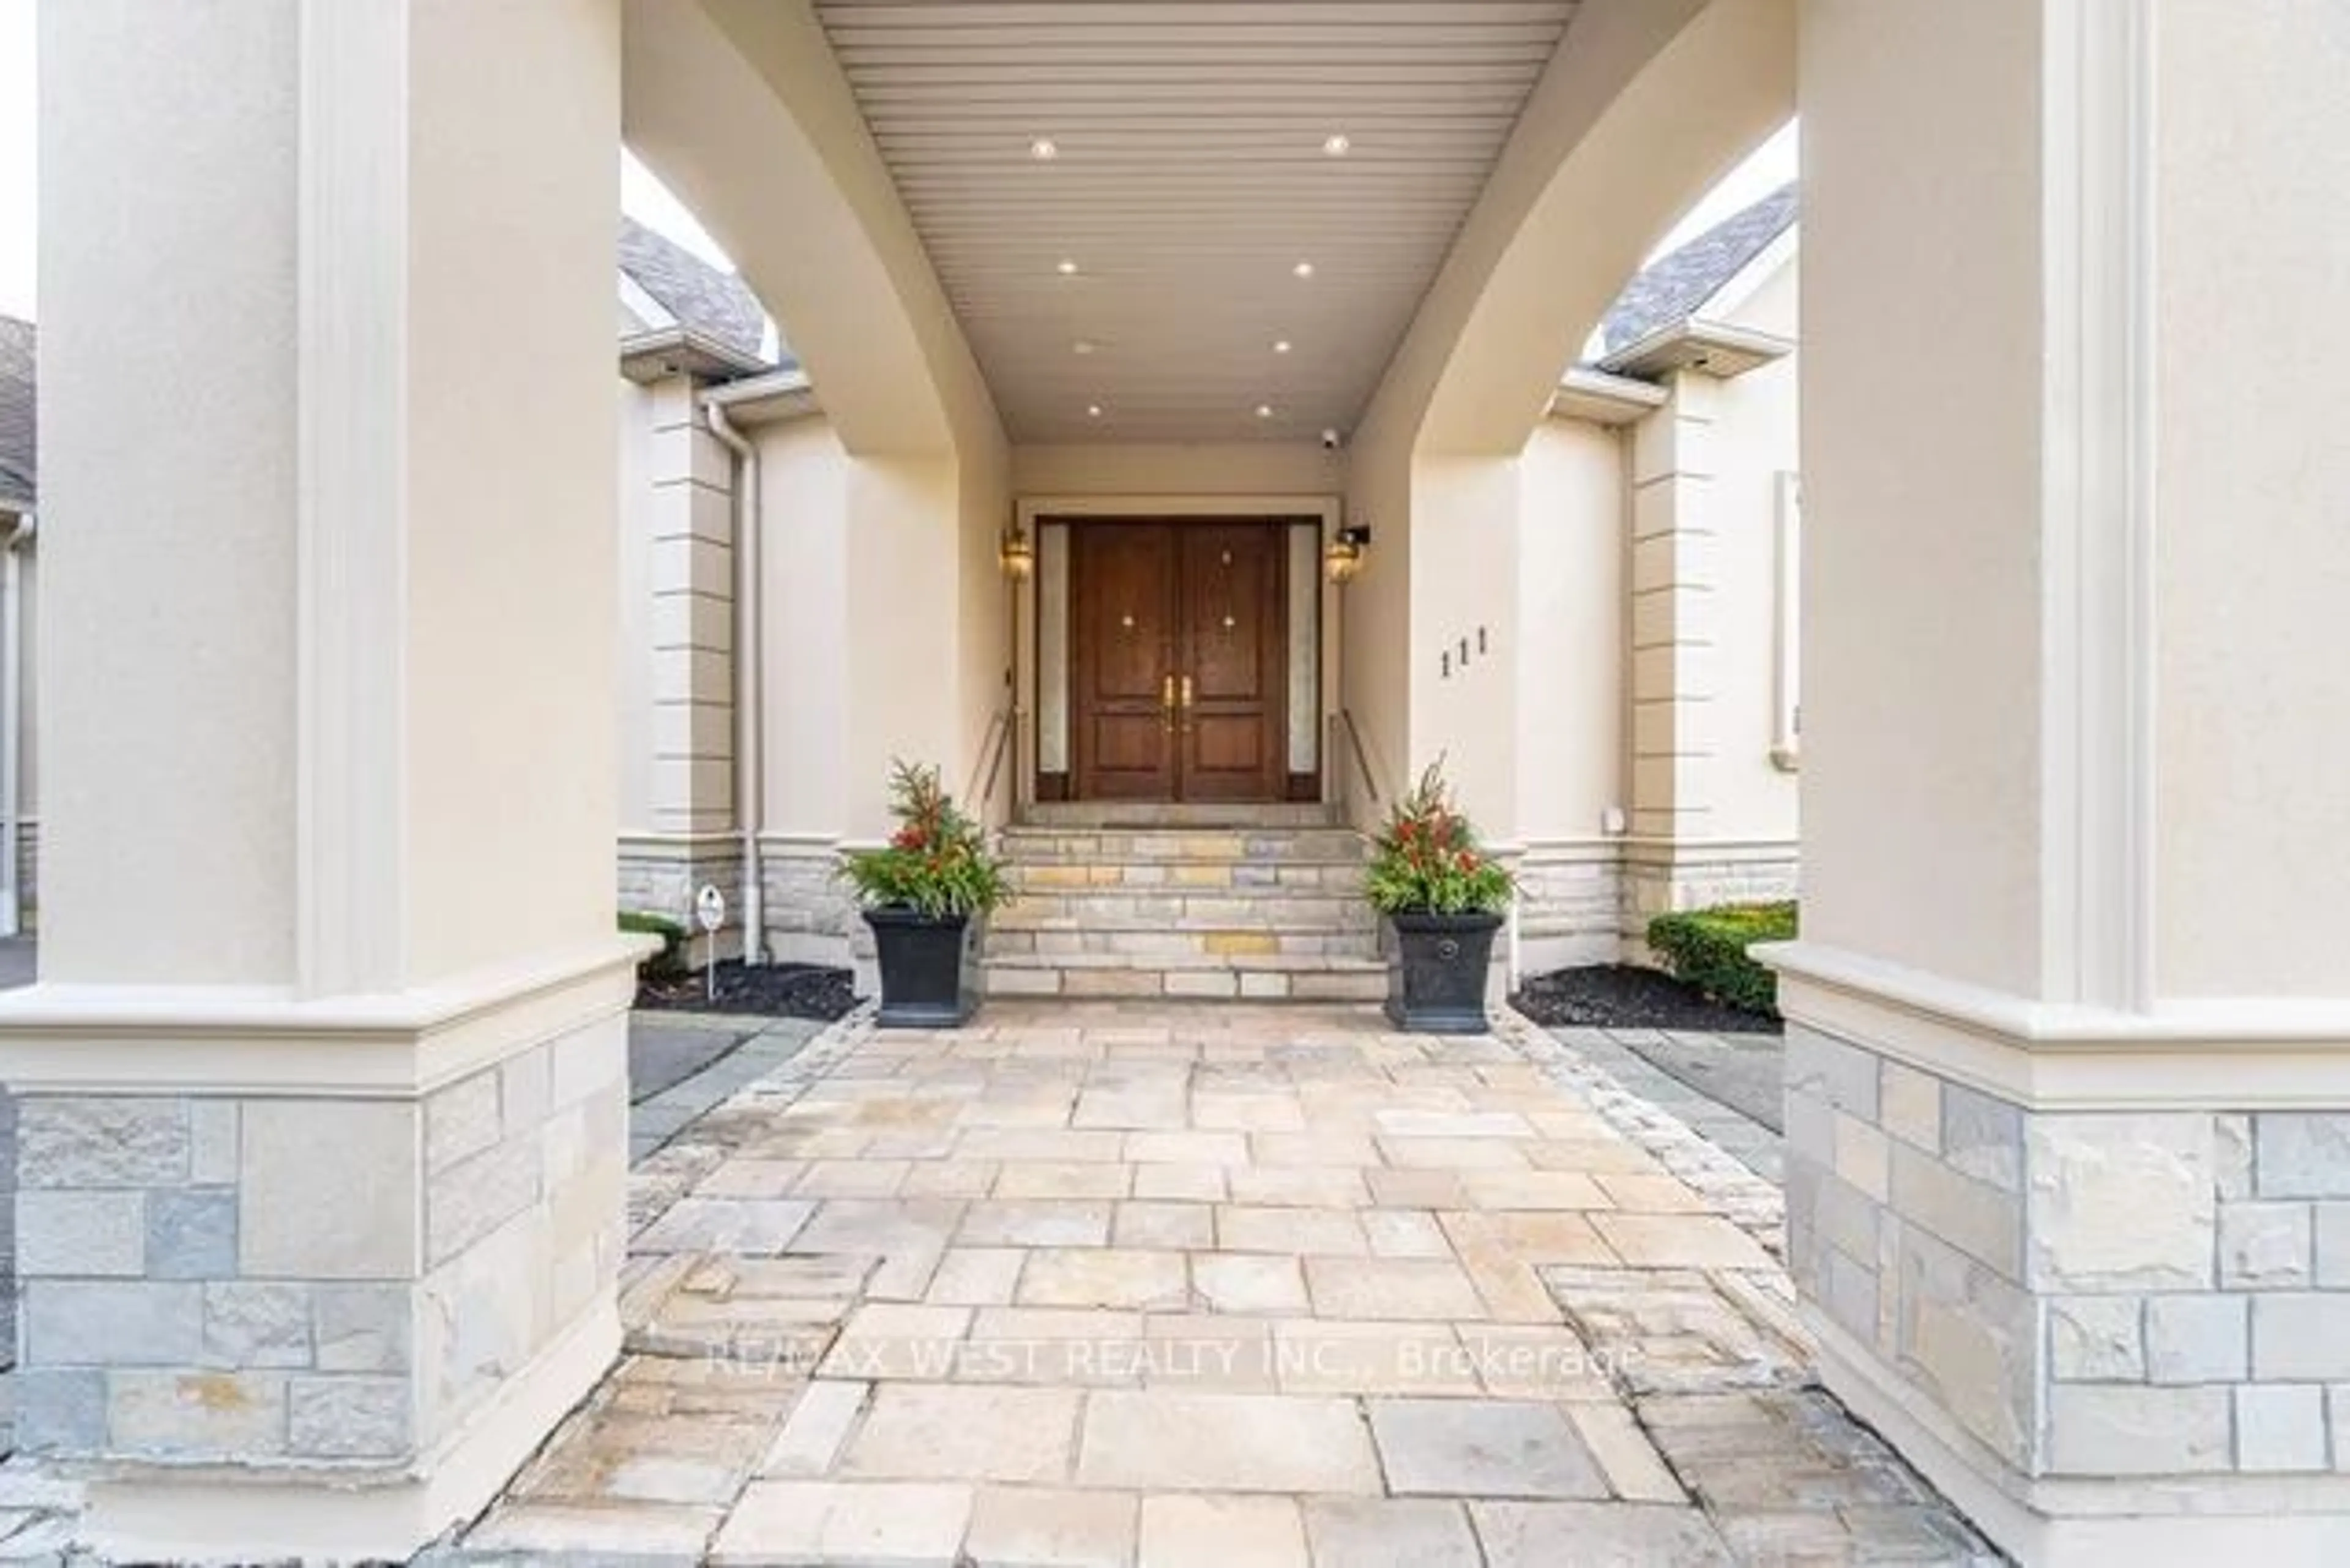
x,y
936,864
1426,860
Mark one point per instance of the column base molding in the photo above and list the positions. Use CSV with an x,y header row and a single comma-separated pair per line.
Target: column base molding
x,y
152,1514
2249,1054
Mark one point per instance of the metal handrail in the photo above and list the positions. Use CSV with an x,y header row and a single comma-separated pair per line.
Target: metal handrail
x,y
991,758
1362,757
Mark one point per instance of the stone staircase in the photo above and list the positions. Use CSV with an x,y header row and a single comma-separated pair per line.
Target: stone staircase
x,y
1261,902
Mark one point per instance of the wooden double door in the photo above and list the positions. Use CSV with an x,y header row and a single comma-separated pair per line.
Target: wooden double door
x,y
1178,660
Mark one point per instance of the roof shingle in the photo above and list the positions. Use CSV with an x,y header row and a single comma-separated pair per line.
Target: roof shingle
x,y
715,304
1677,284
19,486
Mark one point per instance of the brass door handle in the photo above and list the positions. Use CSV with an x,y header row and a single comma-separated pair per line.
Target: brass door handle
x,y
1167,705
1187,704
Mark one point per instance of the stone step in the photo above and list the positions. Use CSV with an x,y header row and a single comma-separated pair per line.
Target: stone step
x,y
1267,977
1200,814
1236,879
1177,846
1146,945
1159,909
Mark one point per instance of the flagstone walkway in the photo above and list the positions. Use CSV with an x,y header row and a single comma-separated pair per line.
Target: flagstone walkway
x,y
1121,1283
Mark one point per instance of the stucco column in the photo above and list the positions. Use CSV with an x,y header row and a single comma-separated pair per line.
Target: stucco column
x,y
2069,1049
1675,643
683,524
323,1105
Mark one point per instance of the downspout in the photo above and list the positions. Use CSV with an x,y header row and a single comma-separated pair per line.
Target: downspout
x,y
750,802
12,712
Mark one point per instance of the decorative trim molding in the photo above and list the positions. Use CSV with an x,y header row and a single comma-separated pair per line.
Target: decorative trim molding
x,y
2239,1053
2097,700
1601,397
1033,509
352,497
254,1041
678,846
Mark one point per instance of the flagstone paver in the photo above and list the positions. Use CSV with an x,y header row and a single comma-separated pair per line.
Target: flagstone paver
x,y
1482,1447
1133,1283
1052,1527
1411,1532
1222,1532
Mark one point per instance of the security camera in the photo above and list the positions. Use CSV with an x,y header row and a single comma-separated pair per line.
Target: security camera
x,y
1332,440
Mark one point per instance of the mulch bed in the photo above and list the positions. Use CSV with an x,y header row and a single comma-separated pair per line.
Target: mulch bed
x,y
1621,996
775,989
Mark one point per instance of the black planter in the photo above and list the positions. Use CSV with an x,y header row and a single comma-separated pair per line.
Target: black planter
x,y
1435,979
929,976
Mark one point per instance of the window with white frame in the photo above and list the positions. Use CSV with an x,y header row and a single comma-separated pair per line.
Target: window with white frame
x,y
1787,623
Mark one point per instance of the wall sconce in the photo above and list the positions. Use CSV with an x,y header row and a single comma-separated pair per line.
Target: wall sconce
x,y
1015,555
1343,556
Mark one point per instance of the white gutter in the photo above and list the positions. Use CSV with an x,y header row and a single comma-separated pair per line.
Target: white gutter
x,y
12,712
750,794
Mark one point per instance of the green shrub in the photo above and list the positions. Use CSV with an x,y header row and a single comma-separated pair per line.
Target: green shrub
x,y
1707,949
670,962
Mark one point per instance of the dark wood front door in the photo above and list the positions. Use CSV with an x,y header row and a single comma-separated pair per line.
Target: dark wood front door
x,y
1178,661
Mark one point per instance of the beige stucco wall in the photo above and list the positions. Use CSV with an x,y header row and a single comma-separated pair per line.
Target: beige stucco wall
x,y
212,856
1233,468
904,604
1569,650
1755,440
804,568
2253,559
632,677
983,658
1914,564
511,544
28,719
1464,701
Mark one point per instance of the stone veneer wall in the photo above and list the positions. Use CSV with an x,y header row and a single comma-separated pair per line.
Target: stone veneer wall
x,y
1571,905
2087,1294
1581,904
662,876
317,1282
810,916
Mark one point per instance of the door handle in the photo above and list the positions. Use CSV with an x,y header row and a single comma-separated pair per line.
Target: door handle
x,y
1167,705
1187,704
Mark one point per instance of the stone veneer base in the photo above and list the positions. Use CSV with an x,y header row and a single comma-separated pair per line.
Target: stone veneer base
x,y
312,1278
1589,902
2089,1270
2133,1520
220,1516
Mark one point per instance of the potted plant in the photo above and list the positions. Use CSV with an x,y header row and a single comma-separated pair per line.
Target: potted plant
x,y
1445,897
919,893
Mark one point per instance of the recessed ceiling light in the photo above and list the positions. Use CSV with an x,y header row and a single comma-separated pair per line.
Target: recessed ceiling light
x,y
1068,267
1082,346
1281,346
1304,269
1337,146
1045,147
1264,410
1093,411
